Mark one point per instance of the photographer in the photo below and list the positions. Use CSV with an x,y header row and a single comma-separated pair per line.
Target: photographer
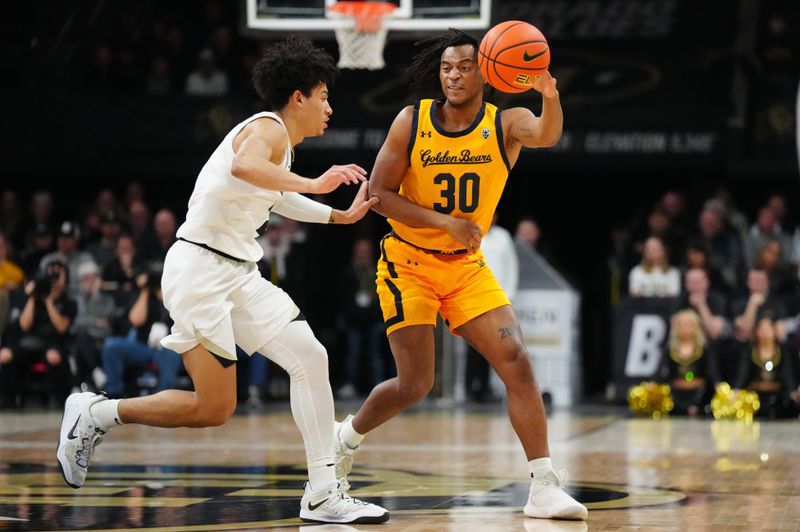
x,y
42,336
150,322
67,253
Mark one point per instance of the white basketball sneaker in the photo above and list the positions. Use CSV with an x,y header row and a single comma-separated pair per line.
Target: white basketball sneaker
x,y
79,436
547,499
334,505
342,455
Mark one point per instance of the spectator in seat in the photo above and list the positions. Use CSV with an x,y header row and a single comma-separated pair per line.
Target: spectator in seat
x,y
68,253
164,228
528,234
659,224
12,218
206,80
42,336
757,301
150,322
696,256
673,203
654,277
41,210
159,80
11,278
709,305
40,244
92,326
11,275
104,250
139,223
782,279
120,275
724,247
766,229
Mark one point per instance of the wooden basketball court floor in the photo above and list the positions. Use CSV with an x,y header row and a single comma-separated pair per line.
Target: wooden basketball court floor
x,y
435,468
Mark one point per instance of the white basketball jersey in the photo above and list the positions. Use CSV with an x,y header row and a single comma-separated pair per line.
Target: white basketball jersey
x,y
226,212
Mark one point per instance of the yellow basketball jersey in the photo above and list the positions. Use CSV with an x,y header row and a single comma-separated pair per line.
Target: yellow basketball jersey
x,y
457,173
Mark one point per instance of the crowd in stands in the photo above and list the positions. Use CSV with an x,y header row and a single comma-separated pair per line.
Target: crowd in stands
x,y
736,296
158,48
81,308
80,300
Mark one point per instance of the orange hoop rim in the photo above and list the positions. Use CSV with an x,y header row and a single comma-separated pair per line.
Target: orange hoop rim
x,y
368,15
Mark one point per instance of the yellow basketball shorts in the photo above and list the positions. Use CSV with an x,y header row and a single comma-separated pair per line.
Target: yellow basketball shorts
x,y
415,285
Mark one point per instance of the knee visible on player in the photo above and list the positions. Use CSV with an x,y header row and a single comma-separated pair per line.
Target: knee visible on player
x,y
212,410
213,403
298,351
515,367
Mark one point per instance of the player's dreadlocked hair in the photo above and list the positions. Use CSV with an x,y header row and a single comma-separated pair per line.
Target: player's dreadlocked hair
x,y
290,65
425,64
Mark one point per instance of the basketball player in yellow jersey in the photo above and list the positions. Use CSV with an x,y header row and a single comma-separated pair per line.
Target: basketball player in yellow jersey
x,y
439,177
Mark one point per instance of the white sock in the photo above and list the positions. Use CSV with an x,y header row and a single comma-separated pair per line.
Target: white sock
x,y
106,414
321,476
540,467
349,435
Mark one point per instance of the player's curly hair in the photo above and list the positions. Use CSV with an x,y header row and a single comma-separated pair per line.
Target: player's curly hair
x,y
425,64
290,65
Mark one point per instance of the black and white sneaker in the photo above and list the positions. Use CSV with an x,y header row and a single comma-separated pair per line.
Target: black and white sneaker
x,y
79,436
334,505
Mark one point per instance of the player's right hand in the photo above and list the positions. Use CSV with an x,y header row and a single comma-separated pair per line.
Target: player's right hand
x,y
338,175
467,232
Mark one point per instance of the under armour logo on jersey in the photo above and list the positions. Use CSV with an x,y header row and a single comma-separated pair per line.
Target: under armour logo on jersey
x,y
485,132
424,134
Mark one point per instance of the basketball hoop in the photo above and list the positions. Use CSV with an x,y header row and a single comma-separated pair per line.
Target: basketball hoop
x,y
361,44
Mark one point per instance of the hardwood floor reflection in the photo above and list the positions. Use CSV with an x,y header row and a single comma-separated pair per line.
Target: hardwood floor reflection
x,y
435,469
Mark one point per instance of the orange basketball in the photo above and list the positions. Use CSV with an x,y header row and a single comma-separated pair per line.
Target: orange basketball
x,y
512,55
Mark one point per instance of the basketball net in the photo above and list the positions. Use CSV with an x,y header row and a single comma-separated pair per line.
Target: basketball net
x,y
361,45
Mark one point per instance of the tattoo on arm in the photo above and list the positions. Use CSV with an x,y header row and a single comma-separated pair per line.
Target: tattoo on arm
x,y
510,332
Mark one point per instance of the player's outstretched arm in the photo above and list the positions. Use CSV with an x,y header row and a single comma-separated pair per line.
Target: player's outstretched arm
x,y
360,207
298,207
543,131
259,149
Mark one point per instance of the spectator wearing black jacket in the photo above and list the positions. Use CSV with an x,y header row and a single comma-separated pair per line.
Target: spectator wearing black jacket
x,y
41,335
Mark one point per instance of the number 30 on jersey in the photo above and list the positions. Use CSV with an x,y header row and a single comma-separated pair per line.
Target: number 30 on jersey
x,y
462,192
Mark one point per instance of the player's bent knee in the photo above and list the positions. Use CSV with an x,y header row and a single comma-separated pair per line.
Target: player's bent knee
x,y
412,392
517,370
212,414
310,363
317,357
210,418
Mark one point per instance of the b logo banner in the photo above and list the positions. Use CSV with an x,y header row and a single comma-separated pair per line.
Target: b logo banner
x,y
641,327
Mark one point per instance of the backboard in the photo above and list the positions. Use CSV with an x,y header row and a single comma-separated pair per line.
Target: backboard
x,y
411,17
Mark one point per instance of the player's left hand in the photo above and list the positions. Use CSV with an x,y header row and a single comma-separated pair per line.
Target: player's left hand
x,y
546,85
362,203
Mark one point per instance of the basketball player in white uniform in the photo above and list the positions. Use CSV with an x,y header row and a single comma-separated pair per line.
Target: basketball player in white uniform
x,y
217,298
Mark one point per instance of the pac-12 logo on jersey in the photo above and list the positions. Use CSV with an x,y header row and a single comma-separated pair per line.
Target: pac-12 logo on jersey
x,y
485,132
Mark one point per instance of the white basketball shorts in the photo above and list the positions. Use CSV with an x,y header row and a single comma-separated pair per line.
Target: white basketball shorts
x,y
219,303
